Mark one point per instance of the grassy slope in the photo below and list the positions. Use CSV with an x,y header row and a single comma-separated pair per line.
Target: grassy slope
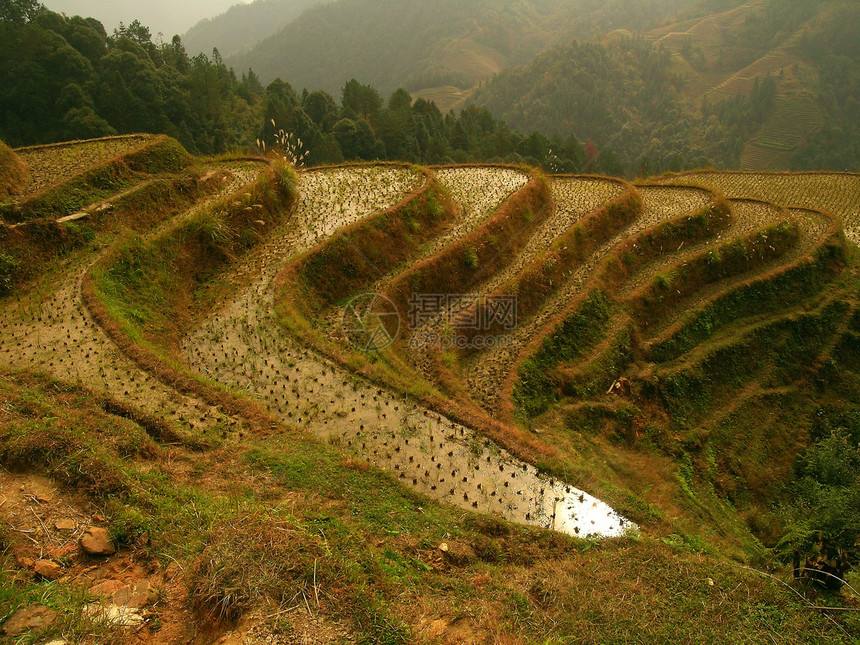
x,y
365,547
378,560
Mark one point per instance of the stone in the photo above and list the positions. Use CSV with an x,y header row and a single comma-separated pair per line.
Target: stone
x,y
62,551
96,541
121,616
106,588
458,553
65,524
33,618
24,562
48,569
134,596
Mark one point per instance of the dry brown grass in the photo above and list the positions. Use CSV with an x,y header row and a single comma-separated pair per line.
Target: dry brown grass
x,y
251,559
13,172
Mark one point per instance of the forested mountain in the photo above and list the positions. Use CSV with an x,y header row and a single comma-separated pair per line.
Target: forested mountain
x,y
772,84
427,43
243,25
66,78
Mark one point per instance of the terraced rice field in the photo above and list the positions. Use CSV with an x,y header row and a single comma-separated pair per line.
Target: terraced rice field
x,y
743,81
479,191
836,193
659,204
751,216
52,332
574,198
55,163
244,346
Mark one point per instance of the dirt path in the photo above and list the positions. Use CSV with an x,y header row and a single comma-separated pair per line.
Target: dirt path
x,y
243,347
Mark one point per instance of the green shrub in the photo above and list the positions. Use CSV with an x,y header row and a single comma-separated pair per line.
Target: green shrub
x,y
9,269
470,257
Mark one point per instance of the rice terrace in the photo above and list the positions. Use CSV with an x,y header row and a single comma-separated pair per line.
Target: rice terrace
x,y
175,369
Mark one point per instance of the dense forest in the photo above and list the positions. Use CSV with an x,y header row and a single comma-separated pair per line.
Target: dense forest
x,y
619,105
66,78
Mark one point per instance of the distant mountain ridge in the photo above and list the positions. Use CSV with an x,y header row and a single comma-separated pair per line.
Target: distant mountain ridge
x,y
743,88
242,26
420,44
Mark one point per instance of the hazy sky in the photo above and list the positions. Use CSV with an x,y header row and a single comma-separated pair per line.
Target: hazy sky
x,y
166,16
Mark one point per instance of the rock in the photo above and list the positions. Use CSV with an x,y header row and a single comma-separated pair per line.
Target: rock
x,y
121,616
65,524
106,588
48,569
25,562
135,596
33,618
458,554
57,642
96,541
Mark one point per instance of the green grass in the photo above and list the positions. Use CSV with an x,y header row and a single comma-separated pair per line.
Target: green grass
x,y
537,388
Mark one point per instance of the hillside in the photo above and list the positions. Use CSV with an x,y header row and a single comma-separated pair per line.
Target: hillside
x,y
419,45
741,88
92,84
13,172
242,26
209,430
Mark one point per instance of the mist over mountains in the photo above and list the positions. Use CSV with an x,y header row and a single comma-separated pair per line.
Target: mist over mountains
x,y
418,44
243,26
161,16
654,85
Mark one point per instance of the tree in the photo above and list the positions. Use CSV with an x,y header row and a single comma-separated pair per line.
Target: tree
x,y
321,107
357,141
19,11
823,519
363,100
